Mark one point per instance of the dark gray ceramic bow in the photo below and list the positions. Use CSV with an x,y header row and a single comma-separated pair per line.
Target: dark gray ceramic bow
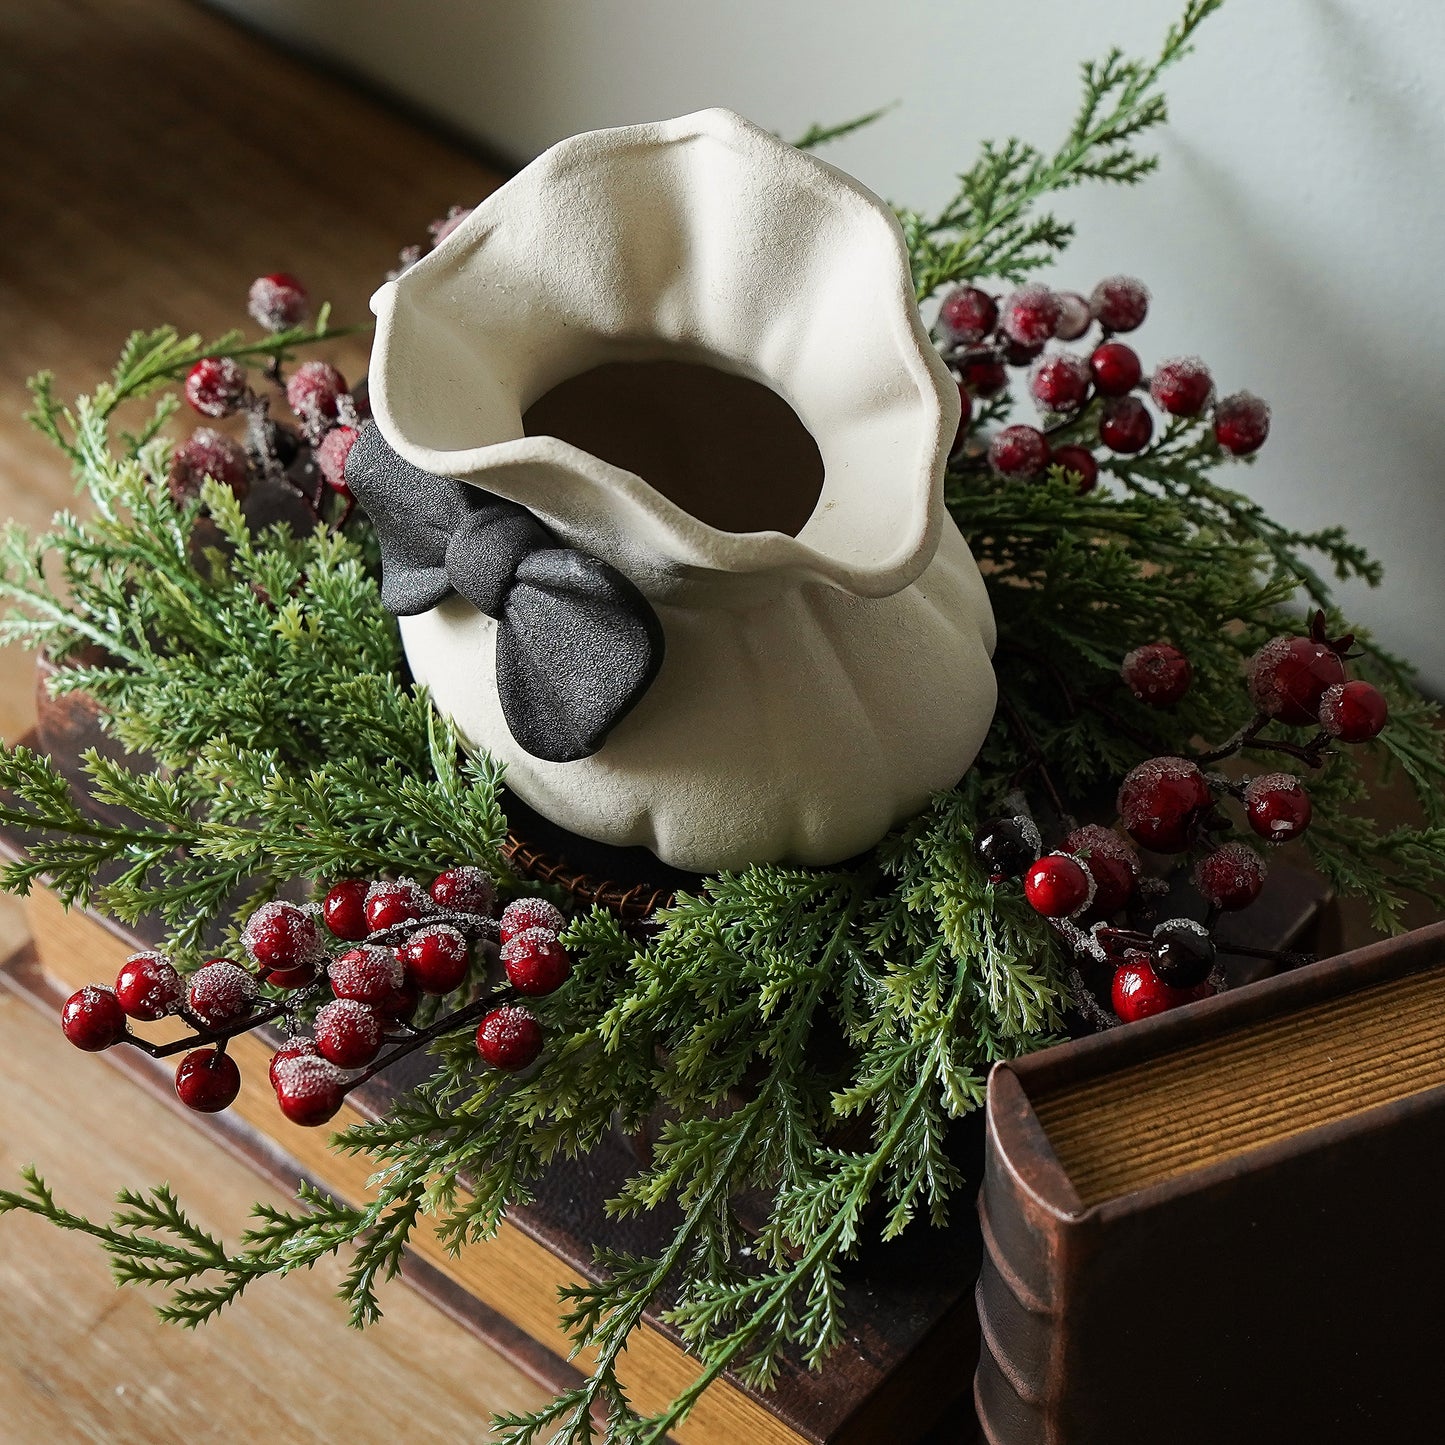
x,y
577,643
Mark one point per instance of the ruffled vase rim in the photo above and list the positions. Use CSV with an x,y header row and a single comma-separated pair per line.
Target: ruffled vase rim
x,y
555,478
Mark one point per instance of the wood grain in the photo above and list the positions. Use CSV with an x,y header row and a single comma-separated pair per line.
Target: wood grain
x,y
1227,1096
159,159
80,1360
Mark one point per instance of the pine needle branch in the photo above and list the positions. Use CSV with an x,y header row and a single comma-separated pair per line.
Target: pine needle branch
x,y
989,227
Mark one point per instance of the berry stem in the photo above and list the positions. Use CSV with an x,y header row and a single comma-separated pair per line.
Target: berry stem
x,y
1242,739
1038,763
218,1037
1285,957
474,926
452,1023
1288,957
1313,753
1085,1001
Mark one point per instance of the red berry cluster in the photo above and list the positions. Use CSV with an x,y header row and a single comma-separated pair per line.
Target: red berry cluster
x,y
981,336
350,972
1087,883
1172,806
310,457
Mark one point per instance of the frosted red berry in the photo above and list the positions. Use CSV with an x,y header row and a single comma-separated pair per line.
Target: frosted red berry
x,y
333,451
348,1033
1080,462
1125,425
1157,674
1354,712
1061,382
1019,452
1183,953
300,1047
147,987
1278,807
1241,423
92,1019
309,1090
278,301
1138,991
1161,800
967,315
1231,877
215,385
1110,861
287,978
436,958
1181,386
509,1037
535,961
1057,885
207,1081
389,904
1120,303
527,913
208,453
282,936
1075,316
1015,353
221,993
312,392
465,890
1288,676
1116,369
984,376
344,909
368,974
1030,315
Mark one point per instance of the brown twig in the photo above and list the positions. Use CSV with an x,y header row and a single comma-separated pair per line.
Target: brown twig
x,y
1038,763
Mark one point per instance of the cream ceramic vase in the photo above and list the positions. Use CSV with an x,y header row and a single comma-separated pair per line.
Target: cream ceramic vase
x,y
692,352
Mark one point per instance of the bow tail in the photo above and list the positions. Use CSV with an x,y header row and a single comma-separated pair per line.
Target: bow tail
x,y
577,646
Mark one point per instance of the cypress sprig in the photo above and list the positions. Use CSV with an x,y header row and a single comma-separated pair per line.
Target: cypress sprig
x,y
991,226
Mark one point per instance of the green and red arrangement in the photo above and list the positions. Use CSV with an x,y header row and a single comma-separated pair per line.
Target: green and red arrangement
x,y
1178,697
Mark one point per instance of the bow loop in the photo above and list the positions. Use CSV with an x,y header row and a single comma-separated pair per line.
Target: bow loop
x,y
577,643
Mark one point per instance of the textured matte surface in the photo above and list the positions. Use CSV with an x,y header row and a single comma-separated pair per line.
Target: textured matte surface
x,y
577,644
818,688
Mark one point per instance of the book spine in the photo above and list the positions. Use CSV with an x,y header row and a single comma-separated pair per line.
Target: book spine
x,y
1021,1294
1016,1321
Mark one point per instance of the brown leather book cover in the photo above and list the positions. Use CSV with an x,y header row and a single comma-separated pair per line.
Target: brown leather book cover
x,y
1226,1222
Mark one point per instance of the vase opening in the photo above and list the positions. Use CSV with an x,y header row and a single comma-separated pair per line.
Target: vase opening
x,y
728,450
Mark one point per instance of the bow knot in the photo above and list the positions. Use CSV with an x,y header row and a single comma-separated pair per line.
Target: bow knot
x,y
577,643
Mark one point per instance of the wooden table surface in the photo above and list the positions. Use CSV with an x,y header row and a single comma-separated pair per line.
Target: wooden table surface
x,y
158,160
